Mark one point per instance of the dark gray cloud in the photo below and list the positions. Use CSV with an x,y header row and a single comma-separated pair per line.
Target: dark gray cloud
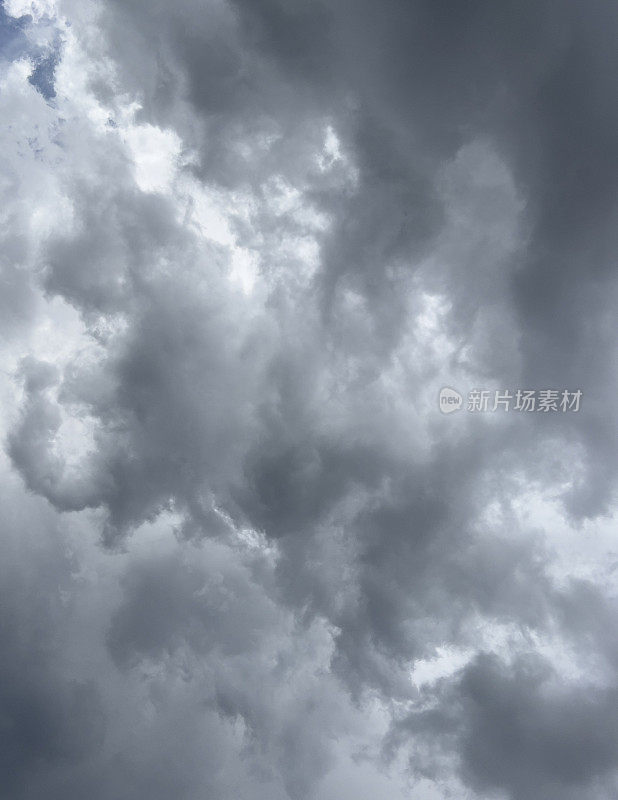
x,y
519,729
247,244
51,719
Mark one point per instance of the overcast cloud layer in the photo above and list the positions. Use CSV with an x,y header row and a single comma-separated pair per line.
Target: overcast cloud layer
x,y
243,554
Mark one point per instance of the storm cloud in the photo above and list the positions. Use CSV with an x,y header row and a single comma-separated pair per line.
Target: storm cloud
x,y
244,246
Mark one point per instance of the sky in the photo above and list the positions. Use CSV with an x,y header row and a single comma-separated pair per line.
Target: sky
x,y
247,550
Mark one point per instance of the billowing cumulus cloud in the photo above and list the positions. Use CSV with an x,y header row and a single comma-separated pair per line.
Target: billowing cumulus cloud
x,y
244,246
